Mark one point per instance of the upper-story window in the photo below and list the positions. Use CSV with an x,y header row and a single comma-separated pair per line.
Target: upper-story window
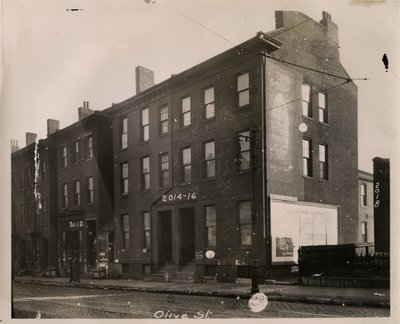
x,y
21,179
64,201
44,212
75,152
123,133
42,171
145,129
243,89
322,108
306,97
90,190
307,157
124,178
244,140
163,120
186,118
64,156
28,177
363,193
187,164
209,159
145,163
77,193
323,161
209,105
14,181
88,147
164,170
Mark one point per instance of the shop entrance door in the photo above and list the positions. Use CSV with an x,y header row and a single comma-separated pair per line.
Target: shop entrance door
x,y
186,218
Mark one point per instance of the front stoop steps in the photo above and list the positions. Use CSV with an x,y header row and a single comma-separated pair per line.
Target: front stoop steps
x,y
171,273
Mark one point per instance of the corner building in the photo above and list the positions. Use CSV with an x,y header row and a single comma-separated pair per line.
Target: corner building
x,y
183,185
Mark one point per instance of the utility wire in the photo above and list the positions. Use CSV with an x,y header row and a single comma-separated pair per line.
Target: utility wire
x,y
273,58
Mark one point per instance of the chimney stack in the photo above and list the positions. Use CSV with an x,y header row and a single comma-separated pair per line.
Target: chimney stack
x,y
30,138
332,28
144,79
14,145
53,126
84,111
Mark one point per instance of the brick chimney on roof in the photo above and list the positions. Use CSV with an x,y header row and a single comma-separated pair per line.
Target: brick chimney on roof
x,y
14,145
30,138
144,78
332,28
53,126
84,111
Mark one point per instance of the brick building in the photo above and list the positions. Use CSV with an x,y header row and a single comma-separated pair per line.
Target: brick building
x,y
34,229
181,199
266,130
84,196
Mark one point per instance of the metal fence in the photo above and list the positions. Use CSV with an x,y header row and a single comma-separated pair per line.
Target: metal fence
x,y
342,261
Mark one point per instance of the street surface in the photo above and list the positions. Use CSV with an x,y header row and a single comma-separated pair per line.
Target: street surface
x,y
65,302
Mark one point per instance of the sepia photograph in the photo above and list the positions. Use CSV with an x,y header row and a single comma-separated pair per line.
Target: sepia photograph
x,y
199,159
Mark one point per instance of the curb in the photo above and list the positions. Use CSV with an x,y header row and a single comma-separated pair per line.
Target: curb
x,y
272,296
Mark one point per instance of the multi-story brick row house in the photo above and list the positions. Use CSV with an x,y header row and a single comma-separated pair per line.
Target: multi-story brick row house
x,y
182,200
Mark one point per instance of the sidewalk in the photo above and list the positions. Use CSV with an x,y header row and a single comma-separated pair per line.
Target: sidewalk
x,y
379,297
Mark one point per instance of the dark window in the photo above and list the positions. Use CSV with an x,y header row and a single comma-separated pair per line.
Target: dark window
x,y
323,161
145,163
163,126
186,118
44,212
21,214
187,164
75,152
124,178
209,105
21,179
209,159
14,181
64,156
307,157
245,222
322,109
125,231
42,171
164,170
211,225
64,190
364,232
306,96
243,91
144,134
123,133
244,139
28,177
146,230
88,147
90,191
77,193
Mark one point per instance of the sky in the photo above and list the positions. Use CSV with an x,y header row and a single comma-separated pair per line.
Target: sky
x,y
53,59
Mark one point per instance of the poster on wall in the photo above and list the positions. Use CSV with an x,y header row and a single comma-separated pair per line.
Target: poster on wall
x,y
295,224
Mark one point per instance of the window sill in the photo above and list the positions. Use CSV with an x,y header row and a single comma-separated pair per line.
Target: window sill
x,y
322,123
123,195
209,178
242,107
162,135
324,180
308,177
185,127
144,142
210,119
240,172
308,117
122,149
145,191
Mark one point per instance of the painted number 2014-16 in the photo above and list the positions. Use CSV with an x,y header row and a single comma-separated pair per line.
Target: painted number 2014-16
x,y
174,197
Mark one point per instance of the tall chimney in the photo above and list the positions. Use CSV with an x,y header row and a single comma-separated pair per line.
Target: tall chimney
x,y
53,126
332,28
144,78
84,111
14,145
30,138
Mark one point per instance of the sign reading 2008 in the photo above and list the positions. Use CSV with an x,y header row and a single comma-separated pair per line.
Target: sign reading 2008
x,y
179,197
